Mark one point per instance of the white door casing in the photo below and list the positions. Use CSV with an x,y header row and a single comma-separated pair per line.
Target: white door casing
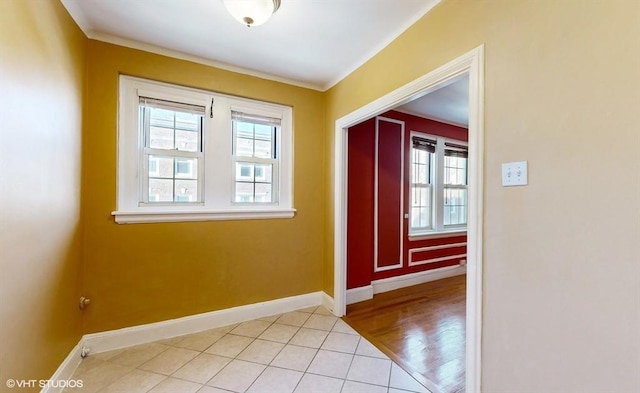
x,y
472,63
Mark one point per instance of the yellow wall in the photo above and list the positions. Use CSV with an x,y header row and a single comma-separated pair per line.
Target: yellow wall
x,y
41,101
562,266
144,273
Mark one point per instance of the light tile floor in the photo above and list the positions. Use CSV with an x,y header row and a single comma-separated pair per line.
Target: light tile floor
x,y
302,351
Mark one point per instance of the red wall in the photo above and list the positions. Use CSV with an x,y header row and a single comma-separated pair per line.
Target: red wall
x,y
360,200
360,172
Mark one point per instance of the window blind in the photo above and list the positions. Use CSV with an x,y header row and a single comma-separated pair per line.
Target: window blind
x,y
172,106
424,144
454,150
255,119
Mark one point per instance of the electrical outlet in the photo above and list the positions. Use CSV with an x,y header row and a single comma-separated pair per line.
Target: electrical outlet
x,y
514,174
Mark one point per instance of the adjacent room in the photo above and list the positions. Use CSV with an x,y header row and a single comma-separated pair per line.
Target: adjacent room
x,y
201,197
406,233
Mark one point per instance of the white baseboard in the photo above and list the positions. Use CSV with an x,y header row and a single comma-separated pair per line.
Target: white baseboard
x,y
327,301
65,371
360,294
142,334
389,284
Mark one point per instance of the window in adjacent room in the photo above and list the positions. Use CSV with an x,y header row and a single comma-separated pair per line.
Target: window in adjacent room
x,y
422,161
455,185
438,187
187,154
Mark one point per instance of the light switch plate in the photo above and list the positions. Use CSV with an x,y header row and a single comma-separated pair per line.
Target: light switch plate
x,y
514,174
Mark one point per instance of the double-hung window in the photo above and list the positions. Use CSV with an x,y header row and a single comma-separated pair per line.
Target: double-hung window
x,y
455,185
193,155
422,182
438,186
255,157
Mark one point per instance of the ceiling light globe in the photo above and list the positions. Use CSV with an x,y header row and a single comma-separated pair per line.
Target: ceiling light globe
x,y
251,12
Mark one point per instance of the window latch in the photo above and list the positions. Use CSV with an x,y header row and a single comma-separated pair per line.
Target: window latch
x,y
211,113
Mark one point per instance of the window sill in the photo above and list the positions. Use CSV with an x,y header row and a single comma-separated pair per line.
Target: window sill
x,y
437,235
148,216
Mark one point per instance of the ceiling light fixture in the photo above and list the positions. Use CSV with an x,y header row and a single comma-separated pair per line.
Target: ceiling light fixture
x,y
252,12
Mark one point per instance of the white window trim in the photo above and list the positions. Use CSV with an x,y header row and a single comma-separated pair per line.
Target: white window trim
x,y
218,168
438,229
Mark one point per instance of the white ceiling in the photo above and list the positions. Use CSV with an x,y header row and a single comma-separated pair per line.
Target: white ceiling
x,y
449,103
311,43
308,43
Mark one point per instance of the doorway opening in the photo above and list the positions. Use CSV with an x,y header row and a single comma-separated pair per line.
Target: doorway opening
x,y
470,64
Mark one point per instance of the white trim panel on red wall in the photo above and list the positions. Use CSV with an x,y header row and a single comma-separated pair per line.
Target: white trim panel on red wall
x,y
438,259
376,200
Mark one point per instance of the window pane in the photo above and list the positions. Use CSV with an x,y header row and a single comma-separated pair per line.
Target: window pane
x,y
263,149
160,190
186,168
415,193
162,167
455,170
420,218
160,117
171,130
244,147
455,206
421,167
263,173
421,173
263,192
263,132
244,192
420,207
186,191
153,166
421,197
244,130
187,121
161,138
416,173
173,179
187,140
244,171
254,182
253,140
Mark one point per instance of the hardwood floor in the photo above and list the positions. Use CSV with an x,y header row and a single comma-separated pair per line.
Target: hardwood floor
x,y
422,328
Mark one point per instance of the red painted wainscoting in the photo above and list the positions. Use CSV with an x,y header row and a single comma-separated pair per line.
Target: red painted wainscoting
x,y
378,246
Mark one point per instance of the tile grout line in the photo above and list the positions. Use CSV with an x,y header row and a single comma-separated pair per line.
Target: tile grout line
x,y
236,358
254,339
349,369
267,365
305,372
287,343
390,371
227,331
